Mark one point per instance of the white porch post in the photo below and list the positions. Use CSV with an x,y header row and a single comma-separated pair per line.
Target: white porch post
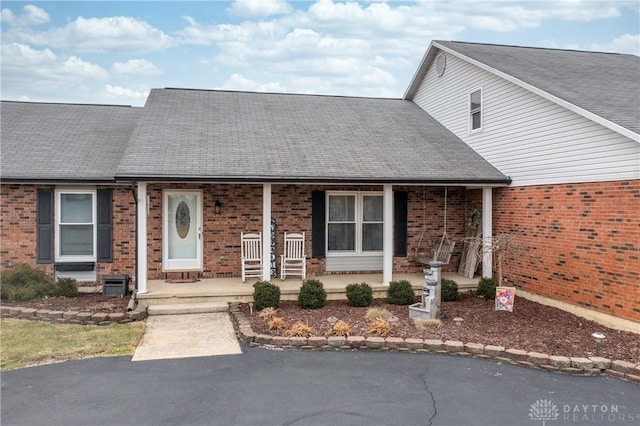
x,y
141,245
387,271
487,231
266,232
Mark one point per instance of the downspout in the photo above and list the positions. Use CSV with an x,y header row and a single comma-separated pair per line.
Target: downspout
x,y
133,190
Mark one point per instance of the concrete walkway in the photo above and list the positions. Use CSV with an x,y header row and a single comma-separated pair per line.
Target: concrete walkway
x,y
187,335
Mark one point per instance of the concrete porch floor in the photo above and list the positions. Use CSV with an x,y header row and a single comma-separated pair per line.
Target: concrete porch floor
x,y
161,292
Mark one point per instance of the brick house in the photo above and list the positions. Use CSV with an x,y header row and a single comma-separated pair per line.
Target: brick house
x,y
564,126
93,190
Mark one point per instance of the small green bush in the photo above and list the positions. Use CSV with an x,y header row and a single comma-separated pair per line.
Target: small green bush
x,y
312,295
487,288
359,294
22,283
449,290
65,287
400,293
265,295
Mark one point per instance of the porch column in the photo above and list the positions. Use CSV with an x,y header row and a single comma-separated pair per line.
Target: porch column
x,y
141,245
487,231
387,268
266,232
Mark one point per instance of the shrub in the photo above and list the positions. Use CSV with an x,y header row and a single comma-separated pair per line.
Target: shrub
x,y
277,323
359,294
301,330
487,288
373,313
312,295
401,293
269,312
65,287
265,295
449,290
22,283
380,326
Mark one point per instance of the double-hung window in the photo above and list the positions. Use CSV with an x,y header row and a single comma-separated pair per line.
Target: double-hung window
x,y
475,111
75,225
354,223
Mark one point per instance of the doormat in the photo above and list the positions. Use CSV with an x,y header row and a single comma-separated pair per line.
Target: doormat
x,y
182,280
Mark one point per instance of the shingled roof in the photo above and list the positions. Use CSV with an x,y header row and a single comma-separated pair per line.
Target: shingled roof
x,y
239,136
63,142
606,85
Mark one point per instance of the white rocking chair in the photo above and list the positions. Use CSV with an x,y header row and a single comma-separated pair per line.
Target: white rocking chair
x,y
251,249
293,261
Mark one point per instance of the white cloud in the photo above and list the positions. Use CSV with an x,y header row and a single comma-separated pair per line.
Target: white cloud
x,y
31,16
238,82
259,8
119,33
124,93
626,43
135,67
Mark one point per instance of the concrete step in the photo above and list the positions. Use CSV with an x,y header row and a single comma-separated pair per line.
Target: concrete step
x,y
188,308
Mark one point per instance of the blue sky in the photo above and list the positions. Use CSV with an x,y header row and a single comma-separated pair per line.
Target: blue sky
x,y
114,52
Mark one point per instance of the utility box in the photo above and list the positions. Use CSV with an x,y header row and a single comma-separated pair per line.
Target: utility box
x,y
115,285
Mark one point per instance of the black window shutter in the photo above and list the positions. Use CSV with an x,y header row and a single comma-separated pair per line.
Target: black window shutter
x,y
400,223
44,223
105,226
318,224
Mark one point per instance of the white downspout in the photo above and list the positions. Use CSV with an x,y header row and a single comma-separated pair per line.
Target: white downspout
x,y
487,231
387,271
142,238
266,232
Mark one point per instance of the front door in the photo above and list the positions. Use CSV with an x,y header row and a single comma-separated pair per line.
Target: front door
x,y
182,231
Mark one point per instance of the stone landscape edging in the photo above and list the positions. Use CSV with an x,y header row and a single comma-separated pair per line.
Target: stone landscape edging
x,y
570,365
73,317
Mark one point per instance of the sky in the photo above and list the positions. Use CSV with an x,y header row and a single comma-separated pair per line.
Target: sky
x,y
115,52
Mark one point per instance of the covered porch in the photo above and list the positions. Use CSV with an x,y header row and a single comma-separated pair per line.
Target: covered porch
x,y
162,292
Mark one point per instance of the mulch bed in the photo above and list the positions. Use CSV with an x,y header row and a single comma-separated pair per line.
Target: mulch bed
x,y
83,303
531,326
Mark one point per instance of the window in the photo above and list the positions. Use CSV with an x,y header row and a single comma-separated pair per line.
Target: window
x,y
475,110
75,225
354,223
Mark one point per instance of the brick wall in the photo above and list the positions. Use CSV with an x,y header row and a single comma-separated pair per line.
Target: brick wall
x,y
580,243
18,229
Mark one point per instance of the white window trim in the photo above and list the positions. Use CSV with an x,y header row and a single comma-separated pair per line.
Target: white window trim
x,y
58,215
470,115
359,222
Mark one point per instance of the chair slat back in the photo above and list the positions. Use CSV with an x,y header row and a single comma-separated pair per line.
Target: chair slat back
x,y
294,245
251,246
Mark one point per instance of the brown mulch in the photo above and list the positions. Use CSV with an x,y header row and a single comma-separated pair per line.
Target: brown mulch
x,y
82,303
531,326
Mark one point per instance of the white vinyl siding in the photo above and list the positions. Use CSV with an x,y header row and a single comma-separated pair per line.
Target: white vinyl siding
x,y
529,138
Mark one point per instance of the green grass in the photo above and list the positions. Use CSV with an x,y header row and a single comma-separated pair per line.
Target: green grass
x,y
25,342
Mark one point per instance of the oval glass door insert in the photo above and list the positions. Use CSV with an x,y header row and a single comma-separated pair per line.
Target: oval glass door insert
x,y
183,219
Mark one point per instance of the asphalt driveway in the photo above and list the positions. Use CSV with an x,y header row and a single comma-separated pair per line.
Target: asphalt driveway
x,y
263,387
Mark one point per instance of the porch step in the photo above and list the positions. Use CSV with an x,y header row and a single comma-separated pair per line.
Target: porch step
x,y
188,308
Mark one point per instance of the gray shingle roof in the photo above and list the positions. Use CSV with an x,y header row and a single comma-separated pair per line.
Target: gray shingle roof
x,y
200,134
42,141
605,84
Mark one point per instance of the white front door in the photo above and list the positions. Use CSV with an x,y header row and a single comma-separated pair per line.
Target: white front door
x,y
182,231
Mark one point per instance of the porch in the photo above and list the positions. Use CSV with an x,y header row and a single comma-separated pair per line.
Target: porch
x,y
162,292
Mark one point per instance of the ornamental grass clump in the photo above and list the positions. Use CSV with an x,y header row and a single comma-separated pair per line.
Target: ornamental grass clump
x,y
359,294
312,295
277,323
373,313
380,326
426,323
301,330
341,328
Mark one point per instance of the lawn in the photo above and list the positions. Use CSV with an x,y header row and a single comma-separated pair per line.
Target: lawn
x,y
24,342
